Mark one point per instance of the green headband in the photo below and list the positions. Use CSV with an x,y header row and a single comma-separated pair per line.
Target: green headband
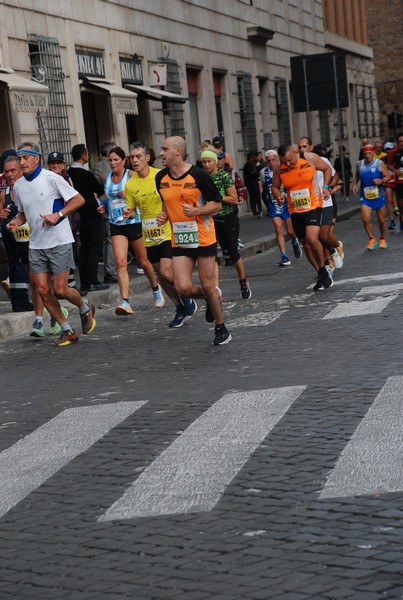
x,y
208,154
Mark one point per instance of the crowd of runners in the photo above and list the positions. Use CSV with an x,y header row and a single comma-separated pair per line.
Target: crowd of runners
x,y
172,220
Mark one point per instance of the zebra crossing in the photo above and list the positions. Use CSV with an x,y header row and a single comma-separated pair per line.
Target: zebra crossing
x,y
192,474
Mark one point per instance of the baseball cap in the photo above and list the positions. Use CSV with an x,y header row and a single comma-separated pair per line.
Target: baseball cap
x,y
217,141
388,146
7,153
221,155
55,157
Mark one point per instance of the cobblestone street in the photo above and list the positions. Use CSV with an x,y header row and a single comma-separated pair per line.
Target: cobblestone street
x,y
144,463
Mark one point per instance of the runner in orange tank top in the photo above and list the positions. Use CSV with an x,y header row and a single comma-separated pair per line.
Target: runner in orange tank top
x,y
189,199
297,176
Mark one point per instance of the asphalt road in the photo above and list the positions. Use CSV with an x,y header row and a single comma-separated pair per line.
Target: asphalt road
x,y
144,463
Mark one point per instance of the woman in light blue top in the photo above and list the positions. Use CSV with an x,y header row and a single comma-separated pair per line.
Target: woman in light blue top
x,y
125,231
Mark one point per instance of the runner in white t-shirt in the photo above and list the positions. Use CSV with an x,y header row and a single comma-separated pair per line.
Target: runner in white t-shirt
x,y
44,199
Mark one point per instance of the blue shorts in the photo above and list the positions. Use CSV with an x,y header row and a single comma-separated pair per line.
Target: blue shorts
x,y
273,211
374,204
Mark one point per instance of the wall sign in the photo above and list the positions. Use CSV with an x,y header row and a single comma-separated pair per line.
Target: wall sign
x,y
131,70
90,64
24,101
158,74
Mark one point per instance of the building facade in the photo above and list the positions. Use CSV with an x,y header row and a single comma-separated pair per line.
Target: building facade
x,y
385,27
108,70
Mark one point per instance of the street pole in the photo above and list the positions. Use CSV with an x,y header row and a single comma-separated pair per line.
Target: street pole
x,y
308,114
343,170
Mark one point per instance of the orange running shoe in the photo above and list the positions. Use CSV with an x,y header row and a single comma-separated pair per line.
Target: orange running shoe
x,y
383,244
372,244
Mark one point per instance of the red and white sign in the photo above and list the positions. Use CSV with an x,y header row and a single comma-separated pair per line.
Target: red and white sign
x,y
158,74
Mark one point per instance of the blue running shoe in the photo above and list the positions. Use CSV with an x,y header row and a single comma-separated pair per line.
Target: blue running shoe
x,y
37,330
285,261
189,305
180,317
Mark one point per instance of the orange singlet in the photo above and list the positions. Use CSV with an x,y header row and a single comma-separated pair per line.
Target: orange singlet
x,y
196,188
302,193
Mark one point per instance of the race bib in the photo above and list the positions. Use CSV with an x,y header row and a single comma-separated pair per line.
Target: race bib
x,y
371,192
117,206
22,234
186,234
301,199
153,232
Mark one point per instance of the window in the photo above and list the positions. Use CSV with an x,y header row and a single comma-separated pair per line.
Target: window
x,y
367,111
246,109
46,67
217,84
193,89
173,112
283,113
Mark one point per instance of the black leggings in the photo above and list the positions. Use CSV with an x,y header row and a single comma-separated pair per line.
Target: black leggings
x,y
227,231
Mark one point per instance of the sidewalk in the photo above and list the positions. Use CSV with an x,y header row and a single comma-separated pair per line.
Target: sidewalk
x,y
256,234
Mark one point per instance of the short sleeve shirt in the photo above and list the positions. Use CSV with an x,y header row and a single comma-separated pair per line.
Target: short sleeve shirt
x,y
142,194
223,180
195,188
45,194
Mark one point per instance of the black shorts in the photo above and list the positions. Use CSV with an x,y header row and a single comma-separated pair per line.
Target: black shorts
x,y
327,215
195,252
399,191
132,231
334,207
155,253
300,221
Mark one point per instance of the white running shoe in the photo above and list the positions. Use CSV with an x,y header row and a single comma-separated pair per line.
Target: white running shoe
x,y
159,300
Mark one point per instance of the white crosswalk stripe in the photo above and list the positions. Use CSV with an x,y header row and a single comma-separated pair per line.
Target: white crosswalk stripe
x,y
372,462
356,308
32,460
192,474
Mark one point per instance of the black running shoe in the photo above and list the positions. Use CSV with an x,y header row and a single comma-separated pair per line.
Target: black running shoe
x,y
222,336
246,292
318,285
326,278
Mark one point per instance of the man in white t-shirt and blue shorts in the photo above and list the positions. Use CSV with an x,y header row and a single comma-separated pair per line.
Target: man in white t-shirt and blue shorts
x,y
44,199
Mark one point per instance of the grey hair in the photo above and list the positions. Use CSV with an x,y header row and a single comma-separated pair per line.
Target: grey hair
x,y
137,145
31,145
11,158
271,152
106,147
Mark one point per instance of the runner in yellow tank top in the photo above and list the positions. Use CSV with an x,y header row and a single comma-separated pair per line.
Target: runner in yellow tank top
x,y
297,174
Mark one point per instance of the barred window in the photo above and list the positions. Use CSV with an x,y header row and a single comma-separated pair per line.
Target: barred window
x,y
283,112
46,68
174,123
246,109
